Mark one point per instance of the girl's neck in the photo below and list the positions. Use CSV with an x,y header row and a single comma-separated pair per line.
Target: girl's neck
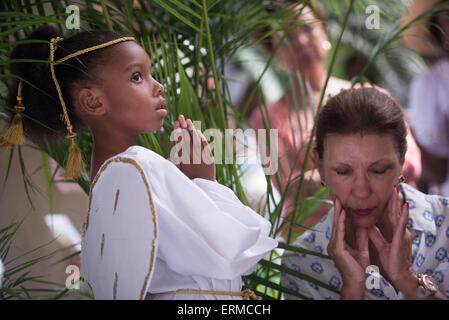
x,y
107,146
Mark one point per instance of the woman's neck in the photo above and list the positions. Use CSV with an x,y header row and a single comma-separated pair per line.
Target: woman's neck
x,y
107,146
314,75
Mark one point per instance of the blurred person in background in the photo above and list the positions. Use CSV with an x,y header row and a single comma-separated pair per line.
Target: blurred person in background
x,y
304,51
428,111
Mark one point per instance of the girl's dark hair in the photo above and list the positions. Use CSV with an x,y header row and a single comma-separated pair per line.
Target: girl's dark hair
x,y
365,110
42,116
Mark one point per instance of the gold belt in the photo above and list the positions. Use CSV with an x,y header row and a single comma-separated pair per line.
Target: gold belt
x,y
245,294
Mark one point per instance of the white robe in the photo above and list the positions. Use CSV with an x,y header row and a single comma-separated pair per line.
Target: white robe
x,y
151,229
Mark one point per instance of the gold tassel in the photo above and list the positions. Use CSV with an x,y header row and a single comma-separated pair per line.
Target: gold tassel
x,y
248,293
4,143
74,162
14,134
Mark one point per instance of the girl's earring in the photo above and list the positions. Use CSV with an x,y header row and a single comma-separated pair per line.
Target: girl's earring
x,y
323,183
401,178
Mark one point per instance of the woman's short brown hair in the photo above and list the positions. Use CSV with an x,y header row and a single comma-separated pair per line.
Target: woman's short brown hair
x,y
364,110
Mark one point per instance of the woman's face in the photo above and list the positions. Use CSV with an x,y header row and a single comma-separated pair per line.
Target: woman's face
x,y
306,44
133,98
361,171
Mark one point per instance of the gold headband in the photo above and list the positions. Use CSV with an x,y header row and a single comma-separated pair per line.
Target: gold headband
x,y
74,162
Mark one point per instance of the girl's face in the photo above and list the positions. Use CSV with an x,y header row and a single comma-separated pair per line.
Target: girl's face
x,y
361,171
133,99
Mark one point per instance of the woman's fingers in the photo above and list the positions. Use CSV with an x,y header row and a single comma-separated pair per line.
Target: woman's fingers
x,y
341,230
337,209
347,261
336,241
377,238
394,206
338,226
362,247
403,220
401,228
361,238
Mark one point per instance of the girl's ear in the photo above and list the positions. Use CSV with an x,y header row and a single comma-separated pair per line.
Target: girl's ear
x,y
90,102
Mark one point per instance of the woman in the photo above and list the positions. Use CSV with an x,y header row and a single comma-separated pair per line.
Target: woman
x,y
304,52
399,232
151,229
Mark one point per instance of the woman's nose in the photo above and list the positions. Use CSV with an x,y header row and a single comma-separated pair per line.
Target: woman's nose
x,y
361,187
303,39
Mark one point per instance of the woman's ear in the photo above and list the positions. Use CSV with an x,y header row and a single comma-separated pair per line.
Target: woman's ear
x,y
318,163
267,43
90,102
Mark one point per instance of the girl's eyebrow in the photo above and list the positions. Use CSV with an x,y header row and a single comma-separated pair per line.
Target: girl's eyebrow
x,y
133,65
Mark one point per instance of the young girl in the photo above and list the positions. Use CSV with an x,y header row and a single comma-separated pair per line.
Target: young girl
x,y
152,230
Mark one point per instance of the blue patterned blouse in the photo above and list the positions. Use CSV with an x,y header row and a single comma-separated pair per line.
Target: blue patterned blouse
x,y
429,225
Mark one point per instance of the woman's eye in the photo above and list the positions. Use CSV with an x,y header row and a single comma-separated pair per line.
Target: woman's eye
x,y
137,77
380,171
307,28
342,172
